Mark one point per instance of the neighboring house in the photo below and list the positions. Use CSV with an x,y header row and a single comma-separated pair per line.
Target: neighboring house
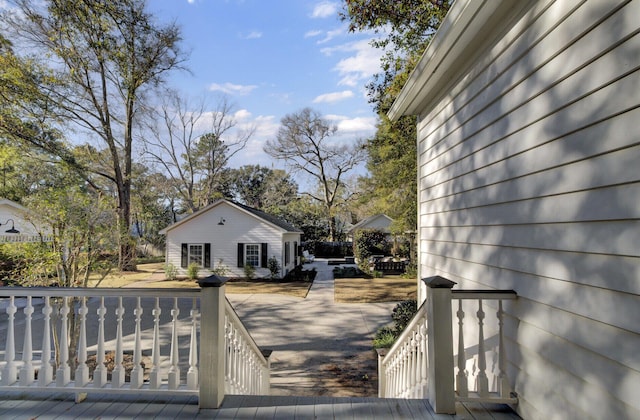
x,y
19,224
379,221
528,145
230,235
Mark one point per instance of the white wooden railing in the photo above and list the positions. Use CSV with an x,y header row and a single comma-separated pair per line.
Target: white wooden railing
x,y
185,352
420,364
403,372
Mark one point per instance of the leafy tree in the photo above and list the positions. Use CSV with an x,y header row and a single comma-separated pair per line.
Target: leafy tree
x,y
405,28
368,242
303,143
392,182
150,212
262,188
193,146
106,56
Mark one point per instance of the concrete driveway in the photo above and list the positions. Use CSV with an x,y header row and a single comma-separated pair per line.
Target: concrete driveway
x,y
312,338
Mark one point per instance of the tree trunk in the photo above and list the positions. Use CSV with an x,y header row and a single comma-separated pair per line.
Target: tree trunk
x,y
127,248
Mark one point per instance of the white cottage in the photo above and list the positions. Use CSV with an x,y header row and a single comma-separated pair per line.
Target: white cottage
x,y
377,221
230,235
528,179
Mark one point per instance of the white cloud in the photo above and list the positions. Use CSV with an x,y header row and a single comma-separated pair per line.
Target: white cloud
x,y
333,97
313,33
252,35
363,63
361,125
266,128
232,89
324,9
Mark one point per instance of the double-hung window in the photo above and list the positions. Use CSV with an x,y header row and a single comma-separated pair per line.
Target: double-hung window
x,y
252,255
199,254
196,254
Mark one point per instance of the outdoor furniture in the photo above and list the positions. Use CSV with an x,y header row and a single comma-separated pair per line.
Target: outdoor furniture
x,y
308,257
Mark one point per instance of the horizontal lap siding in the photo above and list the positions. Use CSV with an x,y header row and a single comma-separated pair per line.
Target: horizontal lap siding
x,y
529,179
238,227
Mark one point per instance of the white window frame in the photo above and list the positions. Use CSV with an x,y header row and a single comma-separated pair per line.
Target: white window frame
x,y
192,255
258,254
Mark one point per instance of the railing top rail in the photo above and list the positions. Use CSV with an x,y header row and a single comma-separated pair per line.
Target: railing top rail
x,y
231,312
96,292
484,294
419,315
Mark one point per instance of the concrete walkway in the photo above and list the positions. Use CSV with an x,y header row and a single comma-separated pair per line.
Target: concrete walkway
x,y
315,341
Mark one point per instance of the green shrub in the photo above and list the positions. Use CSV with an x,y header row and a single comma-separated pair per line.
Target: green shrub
x,y
368,242
411,272
192,271
249,271
348,273
384,338
402,314
221,269
298,274
170,271
274,267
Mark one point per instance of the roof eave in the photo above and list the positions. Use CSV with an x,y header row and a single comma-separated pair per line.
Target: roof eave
x,y
462,24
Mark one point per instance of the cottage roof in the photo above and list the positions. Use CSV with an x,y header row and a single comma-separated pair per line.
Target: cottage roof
x,y
273,220
365,222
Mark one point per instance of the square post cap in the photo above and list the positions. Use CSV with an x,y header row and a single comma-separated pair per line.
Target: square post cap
x,y
212,281
437,282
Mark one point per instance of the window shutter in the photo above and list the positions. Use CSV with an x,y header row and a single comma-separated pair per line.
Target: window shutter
x,y
240,255
264,255
207,255
184,262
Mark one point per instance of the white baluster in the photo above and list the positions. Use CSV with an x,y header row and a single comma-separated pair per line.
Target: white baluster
x,y
482,380
63,374
27,371
413,364
100,374
118,374
228,334
174,370
503,379
45,374
10,371
137,372
192,373
82,370
461,377
155,378
423,364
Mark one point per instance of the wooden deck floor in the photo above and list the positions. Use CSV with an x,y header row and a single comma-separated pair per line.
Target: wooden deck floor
x,y
62,406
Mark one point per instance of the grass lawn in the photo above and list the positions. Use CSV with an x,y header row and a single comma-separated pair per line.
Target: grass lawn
x,y
295,289
120,279
389,288
144,272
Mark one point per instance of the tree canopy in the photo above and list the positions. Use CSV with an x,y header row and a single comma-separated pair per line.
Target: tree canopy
x,y
303,142
404,29
106,56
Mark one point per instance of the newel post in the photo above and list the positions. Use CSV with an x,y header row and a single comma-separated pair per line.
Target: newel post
x,y
212,351
441,391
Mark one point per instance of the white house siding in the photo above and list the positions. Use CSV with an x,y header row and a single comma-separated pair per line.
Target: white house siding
x,y
529,179
30,227
239,227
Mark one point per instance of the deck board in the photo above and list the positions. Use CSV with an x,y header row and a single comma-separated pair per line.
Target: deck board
x,y
19,406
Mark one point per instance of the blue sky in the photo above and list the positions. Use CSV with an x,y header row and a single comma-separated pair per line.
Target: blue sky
x,y
272,58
